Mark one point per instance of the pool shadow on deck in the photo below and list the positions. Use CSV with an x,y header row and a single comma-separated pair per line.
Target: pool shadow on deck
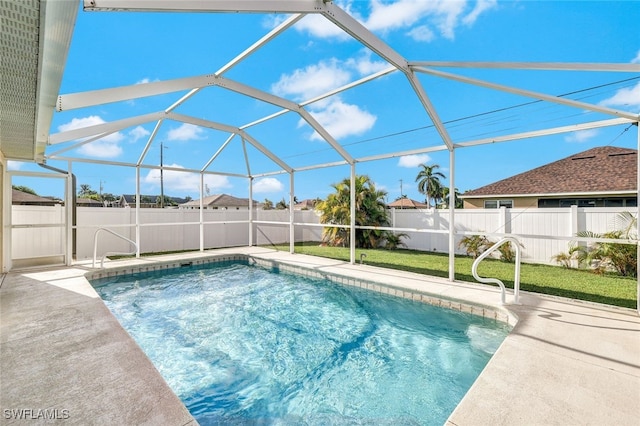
x,y
63,352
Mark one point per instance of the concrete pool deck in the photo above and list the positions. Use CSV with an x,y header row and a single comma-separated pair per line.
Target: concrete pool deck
x,y
63,355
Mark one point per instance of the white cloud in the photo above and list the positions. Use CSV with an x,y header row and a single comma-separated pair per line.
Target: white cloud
x,y
447,17
443,14
417,16
480,7
626,97
14,165
636,60
312,80
184,182
185,132
138,132
415,160
421,33
319,26
581,136
316,79
399,14
364,65
101,148
106,147
341,119
266,185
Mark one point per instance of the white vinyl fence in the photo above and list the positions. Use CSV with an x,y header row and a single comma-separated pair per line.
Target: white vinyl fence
x,y
548,231
39,234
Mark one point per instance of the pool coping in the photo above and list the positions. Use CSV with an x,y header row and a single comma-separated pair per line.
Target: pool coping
x,y
564,362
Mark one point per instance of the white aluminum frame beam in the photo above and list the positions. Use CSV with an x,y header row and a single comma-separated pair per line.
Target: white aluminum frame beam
x,y
152,137
530,94
230,129
546,132
548,66
149,166
351,26
247,6
110,127
218,152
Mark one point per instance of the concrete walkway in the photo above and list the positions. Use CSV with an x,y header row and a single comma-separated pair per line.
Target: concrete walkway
x,y
63,354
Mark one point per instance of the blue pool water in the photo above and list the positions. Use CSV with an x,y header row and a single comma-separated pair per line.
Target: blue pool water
x,y
242,345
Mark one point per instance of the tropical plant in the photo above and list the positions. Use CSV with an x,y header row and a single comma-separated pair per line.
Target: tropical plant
x,y
164,201
602,257
475,245
564,259
370,211
267,204
507,252
606,256
87,192
429,182
394,240
444,198
282,205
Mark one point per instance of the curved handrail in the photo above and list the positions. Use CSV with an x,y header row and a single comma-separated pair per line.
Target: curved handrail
x,y
516,283
95,246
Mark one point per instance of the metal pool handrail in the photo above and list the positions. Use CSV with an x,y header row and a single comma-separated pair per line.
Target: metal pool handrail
x,y
95,246
516,283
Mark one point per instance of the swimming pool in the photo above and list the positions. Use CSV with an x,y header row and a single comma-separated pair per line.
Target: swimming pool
x,y
241,344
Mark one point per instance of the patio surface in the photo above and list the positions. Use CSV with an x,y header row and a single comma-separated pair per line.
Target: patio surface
x,y
63,355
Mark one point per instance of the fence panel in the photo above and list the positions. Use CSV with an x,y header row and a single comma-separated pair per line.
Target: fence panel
x,y
37,241
551,222
221,232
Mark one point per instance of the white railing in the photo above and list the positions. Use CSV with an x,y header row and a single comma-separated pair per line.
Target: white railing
x,y
95,246
516,280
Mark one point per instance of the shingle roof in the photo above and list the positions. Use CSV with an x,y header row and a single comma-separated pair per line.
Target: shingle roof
x,y
221,200
601,169
309,203
408,203
19,197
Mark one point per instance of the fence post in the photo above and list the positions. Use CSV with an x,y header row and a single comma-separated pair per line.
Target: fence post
x,y
502,219
574,220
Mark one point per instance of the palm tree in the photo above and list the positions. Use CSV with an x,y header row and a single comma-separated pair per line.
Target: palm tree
x,y
429,182
370,211
444,197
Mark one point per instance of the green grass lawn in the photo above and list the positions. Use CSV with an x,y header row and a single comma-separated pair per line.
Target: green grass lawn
x,y
554,280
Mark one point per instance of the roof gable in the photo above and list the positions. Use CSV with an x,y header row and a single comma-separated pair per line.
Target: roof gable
x,y
408,203
601,169
221,200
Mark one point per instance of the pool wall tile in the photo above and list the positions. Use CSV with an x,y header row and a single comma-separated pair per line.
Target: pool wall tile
x,y
278,267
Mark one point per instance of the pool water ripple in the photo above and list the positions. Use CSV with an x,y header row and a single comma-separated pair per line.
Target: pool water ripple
x,y
241,345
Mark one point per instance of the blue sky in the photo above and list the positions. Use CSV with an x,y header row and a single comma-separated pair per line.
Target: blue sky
x,y
380,117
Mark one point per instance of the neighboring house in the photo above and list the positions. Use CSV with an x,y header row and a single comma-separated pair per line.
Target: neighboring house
x,y
599,177
88,202
308,204
220,202
148,201
407,203
20,198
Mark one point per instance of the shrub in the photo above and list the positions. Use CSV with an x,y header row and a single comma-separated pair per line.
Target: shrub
x,y
602,257
475,245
